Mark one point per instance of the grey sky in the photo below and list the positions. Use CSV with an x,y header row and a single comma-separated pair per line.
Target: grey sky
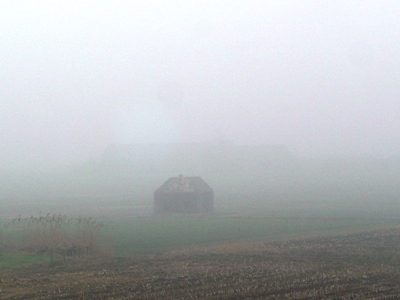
x,y
319,76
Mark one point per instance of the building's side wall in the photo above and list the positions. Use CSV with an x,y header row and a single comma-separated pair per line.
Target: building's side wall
x,y
206,200
175,202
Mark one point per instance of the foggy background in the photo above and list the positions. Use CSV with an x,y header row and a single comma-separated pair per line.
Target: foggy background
x,y
320,79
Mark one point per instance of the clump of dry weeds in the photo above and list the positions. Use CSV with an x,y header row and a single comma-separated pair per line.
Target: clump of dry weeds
x,y
52,234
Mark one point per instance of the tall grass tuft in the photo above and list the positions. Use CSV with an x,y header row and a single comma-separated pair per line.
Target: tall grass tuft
x,y
52,234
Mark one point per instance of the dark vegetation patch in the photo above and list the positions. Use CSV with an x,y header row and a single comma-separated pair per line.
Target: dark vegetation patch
x,y
349,266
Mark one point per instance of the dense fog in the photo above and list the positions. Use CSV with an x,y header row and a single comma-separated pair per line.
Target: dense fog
x,y
276,105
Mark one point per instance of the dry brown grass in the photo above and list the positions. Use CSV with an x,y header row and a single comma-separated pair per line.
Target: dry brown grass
x,y
52,235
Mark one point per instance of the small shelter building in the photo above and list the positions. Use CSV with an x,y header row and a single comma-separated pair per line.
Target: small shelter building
x,y
184,195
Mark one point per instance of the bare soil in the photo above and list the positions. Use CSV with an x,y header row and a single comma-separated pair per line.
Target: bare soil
x,y
353,266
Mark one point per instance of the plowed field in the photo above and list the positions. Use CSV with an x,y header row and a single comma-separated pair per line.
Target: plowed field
x,y
353,266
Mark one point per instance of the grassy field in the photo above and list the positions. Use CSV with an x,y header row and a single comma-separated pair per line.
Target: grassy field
x,y
8,260
278,203
155,234
149,235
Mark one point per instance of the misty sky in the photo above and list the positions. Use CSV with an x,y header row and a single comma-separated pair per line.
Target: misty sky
x,y
318,76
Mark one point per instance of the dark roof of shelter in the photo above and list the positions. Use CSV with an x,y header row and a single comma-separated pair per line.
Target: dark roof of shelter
x,y
184,184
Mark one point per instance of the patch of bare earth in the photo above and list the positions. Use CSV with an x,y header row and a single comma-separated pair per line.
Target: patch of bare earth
x,y
355,266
